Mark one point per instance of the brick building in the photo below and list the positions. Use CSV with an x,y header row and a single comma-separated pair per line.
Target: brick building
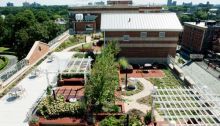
x,y
119,2
199,37
143,37
91,16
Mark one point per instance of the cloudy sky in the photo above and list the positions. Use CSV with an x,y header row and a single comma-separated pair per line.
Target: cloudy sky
x,y
73,2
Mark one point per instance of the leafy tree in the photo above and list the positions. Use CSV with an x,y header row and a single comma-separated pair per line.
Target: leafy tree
x,y
203,15
42,16
103,81
22,38
185,18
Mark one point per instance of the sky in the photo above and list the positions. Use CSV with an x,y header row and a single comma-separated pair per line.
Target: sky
x,y
80,2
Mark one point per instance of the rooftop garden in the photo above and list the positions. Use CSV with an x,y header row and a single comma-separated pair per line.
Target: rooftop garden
x,y
170,80
73,40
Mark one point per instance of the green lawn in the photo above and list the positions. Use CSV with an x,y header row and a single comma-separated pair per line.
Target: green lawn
x,y
170,80
73,40
3,62
3,49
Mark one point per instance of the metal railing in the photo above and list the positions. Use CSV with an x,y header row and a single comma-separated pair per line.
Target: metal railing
x,y
6,74
12,70
58,38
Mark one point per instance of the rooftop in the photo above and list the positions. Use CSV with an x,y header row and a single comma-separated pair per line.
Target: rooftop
x,y
201,24
140,22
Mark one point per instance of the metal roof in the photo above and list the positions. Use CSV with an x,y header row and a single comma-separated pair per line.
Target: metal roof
x,y
140,22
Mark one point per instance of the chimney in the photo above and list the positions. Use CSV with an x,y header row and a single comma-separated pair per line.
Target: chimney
x,y
197,21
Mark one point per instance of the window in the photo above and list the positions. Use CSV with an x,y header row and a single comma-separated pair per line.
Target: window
x,y
126,37
89,27
161,34
143,34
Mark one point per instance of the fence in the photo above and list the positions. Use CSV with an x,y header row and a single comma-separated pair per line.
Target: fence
x,y
12,70
58,38
9,72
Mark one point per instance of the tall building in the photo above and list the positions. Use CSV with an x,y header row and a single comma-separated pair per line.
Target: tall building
x,y
142,37
26,4
87,19
199,37
120,2
9,4
169,2
187,4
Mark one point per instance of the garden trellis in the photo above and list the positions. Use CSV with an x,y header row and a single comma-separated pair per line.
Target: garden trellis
x,y
188,106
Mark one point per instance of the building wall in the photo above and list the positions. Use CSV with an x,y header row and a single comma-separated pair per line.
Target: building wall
x,y
192,38
38,50
80,27
151,48
138,34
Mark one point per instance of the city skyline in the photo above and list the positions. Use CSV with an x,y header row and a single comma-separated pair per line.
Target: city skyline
x,y
85,2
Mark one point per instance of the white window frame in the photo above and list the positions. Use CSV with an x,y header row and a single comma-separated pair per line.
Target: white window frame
x,y
162,34
143,34
126,37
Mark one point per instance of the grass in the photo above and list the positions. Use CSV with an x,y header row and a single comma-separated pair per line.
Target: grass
x,y
145,100
3,62
85,46
3,49
139,88
79,55
73,40
170,80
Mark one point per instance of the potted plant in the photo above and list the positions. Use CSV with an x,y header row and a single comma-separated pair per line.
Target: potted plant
x,y
34,121
147,118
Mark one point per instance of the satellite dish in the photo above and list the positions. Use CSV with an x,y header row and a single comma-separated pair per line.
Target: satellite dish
x,y
79,17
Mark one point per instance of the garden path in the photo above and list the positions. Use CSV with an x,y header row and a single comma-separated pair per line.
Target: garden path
x,y
131,101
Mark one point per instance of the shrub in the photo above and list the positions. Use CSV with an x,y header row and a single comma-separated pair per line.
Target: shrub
x,y
111,121
34,120
50,108
147,118
123,63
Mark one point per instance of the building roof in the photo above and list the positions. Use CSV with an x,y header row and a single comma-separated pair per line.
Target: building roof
x,y
140,22
200,25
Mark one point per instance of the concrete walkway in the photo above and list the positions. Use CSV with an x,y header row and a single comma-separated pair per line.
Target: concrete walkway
x,y
131,101
13,112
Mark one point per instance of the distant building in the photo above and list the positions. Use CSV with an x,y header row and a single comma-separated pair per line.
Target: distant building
x,y
198,36
35,4
169,2
87,19
100,3
9,4
120,2
26,4
60,21
187,4
174,3
142,37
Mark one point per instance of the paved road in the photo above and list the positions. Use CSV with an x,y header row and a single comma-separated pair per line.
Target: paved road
x,y
202,77
12,60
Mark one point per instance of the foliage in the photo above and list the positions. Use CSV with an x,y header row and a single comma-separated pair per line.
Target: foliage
x,y
49,90
50,108
170,80
3,62
123,63
104,80
147,117
111,121
34,120
145,100
23,26
73,40
139,88
135,113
